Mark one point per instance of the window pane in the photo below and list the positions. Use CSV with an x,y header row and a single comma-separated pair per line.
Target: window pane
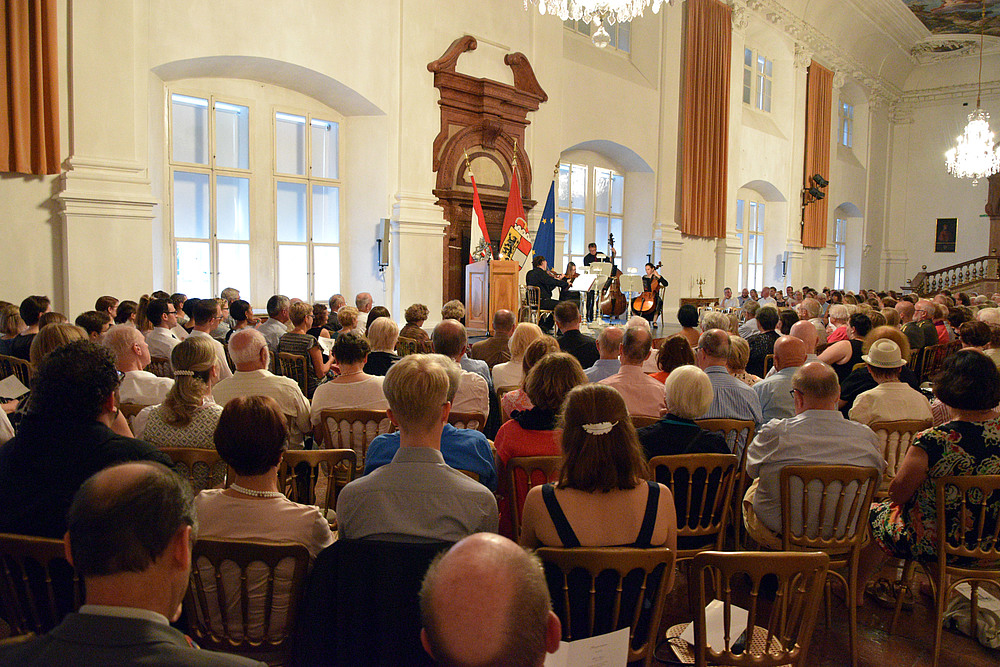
x,y
193,269
232,198
290,144
234,267
293,271
739,240
747,86
191,205
578,188
752,222
189,127
602,194
768,64
767,95
760,64
612,34
752,247
291,213
739,215
601,228
747,58
760,92
326,214
617,193
760,250
325,142
579,235
564,186
759,226
625,36
616,229
326,263
232,136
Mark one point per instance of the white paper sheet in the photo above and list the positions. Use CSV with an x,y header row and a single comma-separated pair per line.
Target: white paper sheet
x,y
326,344
610,650
715,632
11,387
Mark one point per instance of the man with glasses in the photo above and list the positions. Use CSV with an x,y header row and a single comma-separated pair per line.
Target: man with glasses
x,y
207,315
924,317
161,340
734,399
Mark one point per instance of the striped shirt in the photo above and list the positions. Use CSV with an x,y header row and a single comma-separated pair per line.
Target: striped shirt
x,y
733,400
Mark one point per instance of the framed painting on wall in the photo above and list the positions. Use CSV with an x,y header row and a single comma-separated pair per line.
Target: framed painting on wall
x,y
944,235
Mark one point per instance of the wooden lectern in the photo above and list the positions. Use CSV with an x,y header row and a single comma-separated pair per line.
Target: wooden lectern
x,y
490,286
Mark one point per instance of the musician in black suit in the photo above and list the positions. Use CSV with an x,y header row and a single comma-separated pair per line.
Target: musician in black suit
x,y
540,277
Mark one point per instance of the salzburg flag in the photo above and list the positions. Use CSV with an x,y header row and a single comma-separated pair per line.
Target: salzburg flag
x,y
479,240
516,240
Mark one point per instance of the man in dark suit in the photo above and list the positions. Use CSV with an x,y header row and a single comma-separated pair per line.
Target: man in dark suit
x,y
131,528
495,350
539,277
584,348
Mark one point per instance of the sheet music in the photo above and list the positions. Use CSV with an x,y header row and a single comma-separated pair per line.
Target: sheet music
x,y
583,282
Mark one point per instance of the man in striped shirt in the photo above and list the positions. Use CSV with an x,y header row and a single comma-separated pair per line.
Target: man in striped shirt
x,y
733,398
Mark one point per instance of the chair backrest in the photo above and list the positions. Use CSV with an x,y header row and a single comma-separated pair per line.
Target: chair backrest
x,y
524,473
533,295
736,431
934,356
16,366
768,362
916,361
160,367
975,498
599,590
295,366
658,342
638,421
130,410
38,586
779,636
896,437
702,486
240,607
353,429
473,420
314,477
203,468
825,507
405,346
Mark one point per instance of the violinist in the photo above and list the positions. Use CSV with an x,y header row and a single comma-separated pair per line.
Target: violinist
x,y
540,277
569,277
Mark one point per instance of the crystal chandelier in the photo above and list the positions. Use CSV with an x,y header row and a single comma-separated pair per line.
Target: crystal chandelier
x,y
597,12
974,155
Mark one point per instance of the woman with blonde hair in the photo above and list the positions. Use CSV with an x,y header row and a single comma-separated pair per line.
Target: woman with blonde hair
x,y
188,415
739,355
510,373
51,337
518,399
297,341
348,318
602,498
11,325
382,336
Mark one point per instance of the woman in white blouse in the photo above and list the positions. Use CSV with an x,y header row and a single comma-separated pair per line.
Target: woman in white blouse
x,y
510,373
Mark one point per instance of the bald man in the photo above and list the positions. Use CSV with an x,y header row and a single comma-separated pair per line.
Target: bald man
x,y
774,392
485,601
809,338
607,364
496,349
817,435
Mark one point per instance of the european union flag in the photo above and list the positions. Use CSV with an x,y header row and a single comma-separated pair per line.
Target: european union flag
x,y
545,237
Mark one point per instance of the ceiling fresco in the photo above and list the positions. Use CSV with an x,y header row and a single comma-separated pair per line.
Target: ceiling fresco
x,y
957,16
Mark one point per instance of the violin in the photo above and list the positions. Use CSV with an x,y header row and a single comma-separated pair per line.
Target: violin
x,y
645,303
571,274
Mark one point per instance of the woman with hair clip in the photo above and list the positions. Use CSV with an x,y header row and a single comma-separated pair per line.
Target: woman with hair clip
x,y
602,498
188,415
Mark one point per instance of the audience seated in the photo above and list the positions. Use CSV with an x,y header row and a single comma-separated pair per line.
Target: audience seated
x,y
242,316
462,448
495,349
207,313
415,317
374,314
249,353
775,391
809,310
127,312
762,343
924,313
131,357
687,317
30,311
602,497
485,602
337,301
107,304
749,326
382,336
321,315
567,318
415,497
453,310
733,399
517,399
11,325
608,344
187,416
348,317
673,353
891,399
818,434
95,323
161,338
642,394
688,393
844,354
223,327
276,326
364,302
739,356
450,339
861,380
837,329
353,388
64,438
300,343
510,373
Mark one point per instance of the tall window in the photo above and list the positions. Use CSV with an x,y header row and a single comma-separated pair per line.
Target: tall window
x,y
620,33
307,205
591,204
757,77
750,236
846,124
210,194
840,245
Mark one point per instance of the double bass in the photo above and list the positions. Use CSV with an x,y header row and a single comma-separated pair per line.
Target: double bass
x,y
613,302
645,303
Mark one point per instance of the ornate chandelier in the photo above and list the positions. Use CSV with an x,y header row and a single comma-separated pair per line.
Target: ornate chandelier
x,y
597,12
974,156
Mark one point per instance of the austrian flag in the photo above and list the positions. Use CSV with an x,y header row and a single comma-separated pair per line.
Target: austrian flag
x,y
479,239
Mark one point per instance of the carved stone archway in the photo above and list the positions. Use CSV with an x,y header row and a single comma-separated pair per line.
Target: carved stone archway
x,y
484,120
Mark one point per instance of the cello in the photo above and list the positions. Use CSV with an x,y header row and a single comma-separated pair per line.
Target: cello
x,y
613,302
645,303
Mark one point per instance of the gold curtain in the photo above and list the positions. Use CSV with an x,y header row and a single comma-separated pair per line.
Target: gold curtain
x,y
29,78
705,166
819,101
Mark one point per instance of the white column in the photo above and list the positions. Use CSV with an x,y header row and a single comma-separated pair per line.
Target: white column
x,y
418,230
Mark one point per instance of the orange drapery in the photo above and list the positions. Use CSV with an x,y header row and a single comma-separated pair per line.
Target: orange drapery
x,y
819,100
706,118
29,79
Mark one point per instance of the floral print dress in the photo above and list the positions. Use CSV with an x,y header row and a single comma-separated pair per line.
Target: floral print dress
x,y
955,448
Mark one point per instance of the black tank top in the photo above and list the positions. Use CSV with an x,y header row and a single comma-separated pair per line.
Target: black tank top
x,y
568,537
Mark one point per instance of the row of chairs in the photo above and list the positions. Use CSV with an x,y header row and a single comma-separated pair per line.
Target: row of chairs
x,y
927,361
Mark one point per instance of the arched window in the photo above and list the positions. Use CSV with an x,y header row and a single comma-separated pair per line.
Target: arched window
x,y
592,205
750,236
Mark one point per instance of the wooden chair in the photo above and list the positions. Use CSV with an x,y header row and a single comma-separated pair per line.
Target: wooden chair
x,y
658,342
780,635
315,477
297,367
405,346
895,437
523,474
500,393
16,366
352,429
241,609
473,420
160,367
38,586
825,508
933,359
739,434
203,468
524,310
702,486
229,358
534,298
976,498
640,421
916,361
130,410
768,362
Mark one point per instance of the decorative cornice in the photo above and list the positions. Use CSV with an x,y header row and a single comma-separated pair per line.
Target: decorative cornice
x,y
838,80
936,49
924,97
740,18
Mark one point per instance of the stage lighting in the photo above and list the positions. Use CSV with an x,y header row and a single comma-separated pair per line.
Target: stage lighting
x,y
820,181
816,193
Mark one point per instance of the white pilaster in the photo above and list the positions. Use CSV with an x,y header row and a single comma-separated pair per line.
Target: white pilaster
x,y
418,230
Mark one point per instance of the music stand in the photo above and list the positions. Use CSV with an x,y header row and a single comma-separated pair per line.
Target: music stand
x,y
601,271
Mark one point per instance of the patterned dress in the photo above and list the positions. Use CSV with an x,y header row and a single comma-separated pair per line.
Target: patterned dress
x,y
955,448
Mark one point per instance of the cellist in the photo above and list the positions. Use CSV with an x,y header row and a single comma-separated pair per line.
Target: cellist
x,y
648,303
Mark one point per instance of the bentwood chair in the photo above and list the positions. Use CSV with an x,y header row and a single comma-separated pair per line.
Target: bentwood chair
x,y
315,477
473,420
16,366
352,429
160,367
297,367
203,468
38,586
895,437
523,474
739,434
